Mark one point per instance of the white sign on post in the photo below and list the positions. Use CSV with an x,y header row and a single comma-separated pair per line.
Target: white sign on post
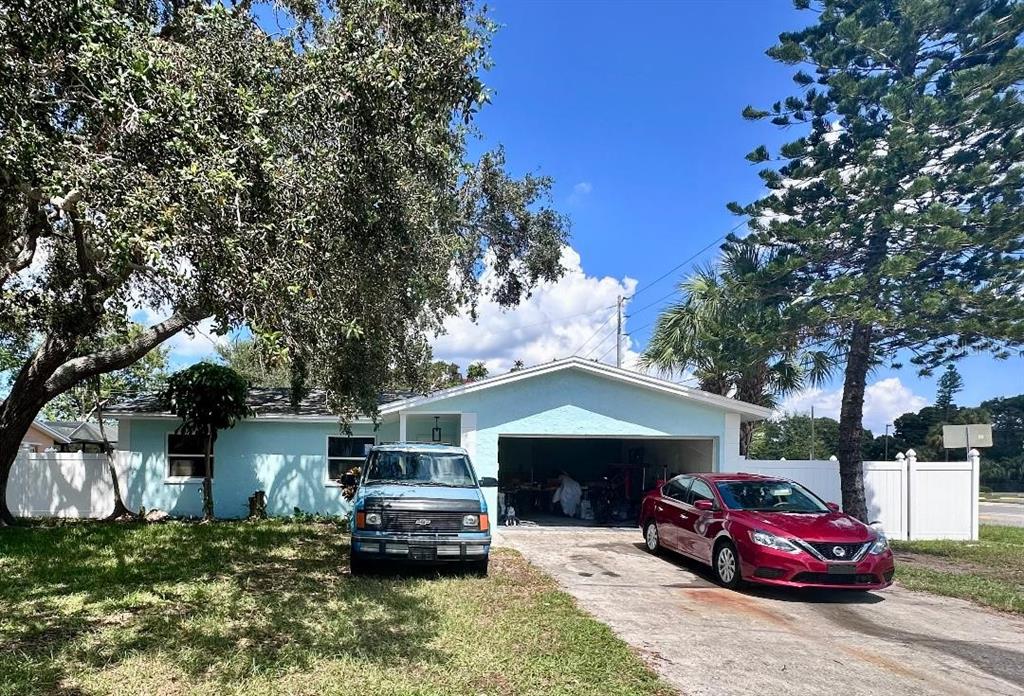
x,y
973,436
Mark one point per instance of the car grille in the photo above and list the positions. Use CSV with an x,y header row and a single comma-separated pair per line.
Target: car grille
x,y
828,579
828,551
406,521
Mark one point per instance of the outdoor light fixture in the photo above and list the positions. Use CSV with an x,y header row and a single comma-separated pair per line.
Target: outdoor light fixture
x,y
435,432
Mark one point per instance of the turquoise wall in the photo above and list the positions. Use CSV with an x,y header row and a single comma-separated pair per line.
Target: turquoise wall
x,y
574,402
288,460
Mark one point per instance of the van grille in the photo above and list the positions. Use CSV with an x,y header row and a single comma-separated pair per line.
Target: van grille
x,y
406,521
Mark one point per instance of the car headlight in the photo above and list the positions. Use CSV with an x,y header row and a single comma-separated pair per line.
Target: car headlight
x,y
880,545
773,542
470,521
373,519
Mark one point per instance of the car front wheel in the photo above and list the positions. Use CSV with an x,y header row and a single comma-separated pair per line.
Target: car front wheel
x,y
727,565
651,539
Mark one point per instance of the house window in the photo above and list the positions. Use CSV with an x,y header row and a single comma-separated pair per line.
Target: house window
x,y
185,458
343,453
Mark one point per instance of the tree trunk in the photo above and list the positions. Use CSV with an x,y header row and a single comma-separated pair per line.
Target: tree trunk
x,y
851,418
17,412
120,509
746,436
207,481
50,372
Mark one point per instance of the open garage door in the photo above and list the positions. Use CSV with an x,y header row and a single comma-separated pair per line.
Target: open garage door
x,y
613,474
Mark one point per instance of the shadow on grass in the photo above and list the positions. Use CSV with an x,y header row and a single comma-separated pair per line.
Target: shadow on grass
x,y
228,599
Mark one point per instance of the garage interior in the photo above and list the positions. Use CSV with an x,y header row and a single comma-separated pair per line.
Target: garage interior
x,y
613,473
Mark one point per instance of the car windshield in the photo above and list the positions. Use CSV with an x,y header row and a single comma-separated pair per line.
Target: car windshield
x,y
420,469
769,496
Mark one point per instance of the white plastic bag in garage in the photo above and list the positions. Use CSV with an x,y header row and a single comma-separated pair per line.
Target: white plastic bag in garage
x,y
568,494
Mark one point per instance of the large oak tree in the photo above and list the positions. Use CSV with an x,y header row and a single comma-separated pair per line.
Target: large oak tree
x,y
899,211
299,168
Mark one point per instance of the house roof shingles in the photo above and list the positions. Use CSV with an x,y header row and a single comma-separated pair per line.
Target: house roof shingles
x,y
264,401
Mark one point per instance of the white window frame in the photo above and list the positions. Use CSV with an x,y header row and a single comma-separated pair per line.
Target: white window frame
x,y
168,479
335,483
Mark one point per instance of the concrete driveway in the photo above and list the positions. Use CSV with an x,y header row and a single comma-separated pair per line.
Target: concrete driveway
x,y
706,640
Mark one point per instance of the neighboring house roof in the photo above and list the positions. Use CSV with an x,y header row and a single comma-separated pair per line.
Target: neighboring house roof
x,y
266,402
276,403
748,410
84,431
50,431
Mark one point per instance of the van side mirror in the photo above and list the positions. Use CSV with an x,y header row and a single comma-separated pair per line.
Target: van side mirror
x,y
488,482
348,480
834,507
704,505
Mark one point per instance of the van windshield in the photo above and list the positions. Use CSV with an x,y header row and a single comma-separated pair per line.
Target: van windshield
x,y
420,469
769,496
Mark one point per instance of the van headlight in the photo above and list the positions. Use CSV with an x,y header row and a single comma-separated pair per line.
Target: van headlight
x,y
373,519
470,521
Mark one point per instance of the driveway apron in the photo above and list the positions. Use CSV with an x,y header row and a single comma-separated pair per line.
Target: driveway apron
x,y
707,640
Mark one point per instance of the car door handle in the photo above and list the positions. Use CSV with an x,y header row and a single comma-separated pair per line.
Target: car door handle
x,y
683,515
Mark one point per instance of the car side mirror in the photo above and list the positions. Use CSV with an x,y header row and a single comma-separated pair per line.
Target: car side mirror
x,y
488,482
348,480
704,505
834,507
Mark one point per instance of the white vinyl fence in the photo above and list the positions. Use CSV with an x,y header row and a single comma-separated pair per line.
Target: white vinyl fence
x,y
60,484
911,499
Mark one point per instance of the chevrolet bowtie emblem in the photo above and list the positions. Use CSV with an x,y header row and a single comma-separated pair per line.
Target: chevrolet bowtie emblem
x,y
422,522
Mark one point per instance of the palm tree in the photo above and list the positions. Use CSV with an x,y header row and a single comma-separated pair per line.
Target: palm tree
x,y
731,332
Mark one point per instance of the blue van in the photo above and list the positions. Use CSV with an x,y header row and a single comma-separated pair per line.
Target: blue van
x,y
419,503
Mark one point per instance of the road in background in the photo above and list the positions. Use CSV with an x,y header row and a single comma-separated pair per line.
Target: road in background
x,y
1011,514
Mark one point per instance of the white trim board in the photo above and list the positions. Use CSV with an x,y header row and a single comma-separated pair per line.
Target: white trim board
x,y
746,410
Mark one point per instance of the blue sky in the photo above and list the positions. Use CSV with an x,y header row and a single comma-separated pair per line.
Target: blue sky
x,y
634,109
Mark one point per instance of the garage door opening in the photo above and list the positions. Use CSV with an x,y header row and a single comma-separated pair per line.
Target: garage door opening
x,y
613,474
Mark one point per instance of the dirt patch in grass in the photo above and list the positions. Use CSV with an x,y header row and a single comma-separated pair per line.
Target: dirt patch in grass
x,y
989,571
270,608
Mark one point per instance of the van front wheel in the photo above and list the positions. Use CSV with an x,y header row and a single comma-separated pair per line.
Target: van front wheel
x,y
478,568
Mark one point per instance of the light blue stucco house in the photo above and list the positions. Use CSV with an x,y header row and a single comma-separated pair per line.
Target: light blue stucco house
x,y
523,428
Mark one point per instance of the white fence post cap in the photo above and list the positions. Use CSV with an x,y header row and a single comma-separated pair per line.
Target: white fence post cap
x,y
900,456
833,458
911,453
975,453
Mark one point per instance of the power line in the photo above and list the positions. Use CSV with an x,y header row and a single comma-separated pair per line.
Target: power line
x,y
571,316
597,346
598,329
651,304
605,353
675,268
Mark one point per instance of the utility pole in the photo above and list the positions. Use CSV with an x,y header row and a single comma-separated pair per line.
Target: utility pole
x,y
618,334
812,434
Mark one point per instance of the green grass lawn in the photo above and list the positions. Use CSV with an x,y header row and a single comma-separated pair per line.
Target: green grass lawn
x,y
989,571
269,607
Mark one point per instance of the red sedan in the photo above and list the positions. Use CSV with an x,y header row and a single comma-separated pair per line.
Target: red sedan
x,y
763,529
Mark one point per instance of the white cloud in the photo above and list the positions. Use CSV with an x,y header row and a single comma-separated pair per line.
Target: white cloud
x,y
580,191
185,349
884,401
556,320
